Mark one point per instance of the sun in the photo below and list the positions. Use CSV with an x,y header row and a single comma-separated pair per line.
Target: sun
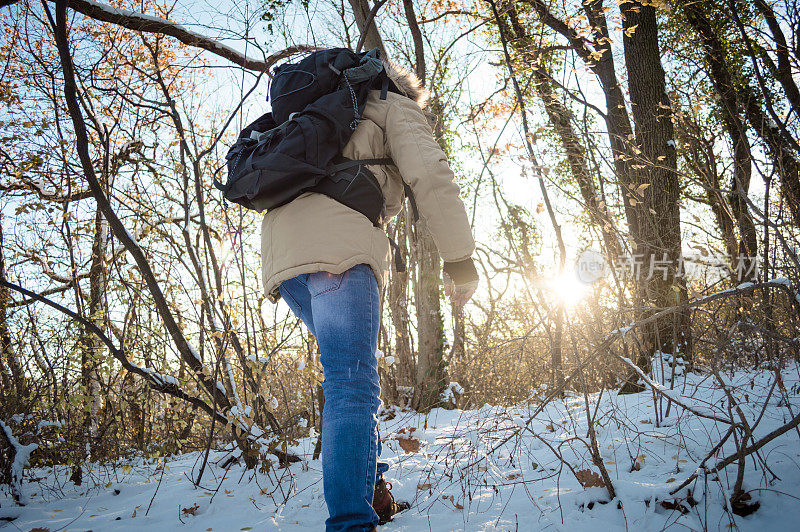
x,y
569,289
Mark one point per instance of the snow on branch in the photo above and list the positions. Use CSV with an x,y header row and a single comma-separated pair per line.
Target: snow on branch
x,y
673,396
16,459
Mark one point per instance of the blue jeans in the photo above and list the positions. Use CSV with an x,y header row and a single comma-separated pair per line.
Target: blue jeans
x,y
343,312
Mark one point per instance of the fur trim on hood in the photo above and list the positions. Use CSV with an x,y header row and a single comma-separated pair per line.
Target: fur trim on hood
x,y
407,82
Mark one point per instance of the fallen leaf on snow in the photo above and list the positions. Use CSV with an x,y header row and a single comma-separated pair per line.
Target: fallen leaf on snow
x,y
409,445
589,479
192,510
674,505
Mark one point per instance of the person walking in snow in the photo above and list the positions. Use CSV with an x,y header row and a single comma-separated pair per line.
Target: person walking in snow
x,y
328,262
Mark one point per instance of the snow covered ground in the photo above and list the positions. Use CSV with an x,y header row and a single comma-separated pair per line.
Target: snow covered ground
x,y
483,469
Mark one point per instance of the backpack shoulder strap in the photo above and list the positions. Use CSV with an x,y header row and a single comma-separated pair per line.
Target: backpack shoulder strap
x,y
384,84
351,163
412,200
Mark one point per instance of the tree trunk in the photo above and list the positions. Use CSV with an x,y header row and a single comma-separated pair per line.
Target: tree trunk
x,y
658,235
12,376
561,120
618,122
431,372
701,159
782,147
430,377
784,70
160,303
92,346
416,35
722,80
459,333
361,9
401,320
645,166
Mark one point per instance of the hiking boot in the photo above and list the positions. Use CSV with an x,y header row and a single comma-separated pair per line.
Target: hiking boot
x,y
384,504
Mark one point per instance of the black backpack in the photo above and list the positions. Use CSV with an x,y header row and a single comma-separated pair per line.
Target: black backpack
x,y
316,105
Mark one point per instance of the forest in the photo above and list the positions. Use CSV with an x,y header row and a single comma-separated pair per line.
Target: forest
x,y
630,170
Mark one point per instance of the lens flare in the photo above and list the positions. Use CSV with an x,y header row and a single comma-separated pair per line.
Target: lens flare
x,y
569,289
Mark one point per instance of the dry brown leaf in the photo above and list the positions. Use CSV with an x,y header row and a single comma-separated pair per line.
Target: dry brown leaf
x,y
409,445
423,487
741,506
674,505
589,479
192,510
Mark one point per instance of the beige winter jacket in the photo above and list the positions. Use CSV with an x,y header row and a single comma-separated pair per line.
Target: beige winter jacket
x,y
316,233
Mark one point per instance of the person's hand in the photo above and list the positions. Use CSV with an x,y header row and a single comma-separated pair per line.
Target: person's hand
x,y
458,294
460,281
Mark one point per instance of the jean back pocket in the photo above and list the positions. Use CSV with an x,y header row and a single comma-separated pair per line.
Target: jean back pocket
x,y
323,282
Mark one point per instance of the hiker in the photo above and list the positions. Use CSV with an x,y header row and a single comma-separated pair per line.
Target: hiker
x,y
329,262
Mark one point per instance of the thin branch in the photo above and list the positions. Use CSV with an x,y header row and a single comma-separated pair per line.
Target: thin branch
x,y
367,22
152,379
151,24
186,351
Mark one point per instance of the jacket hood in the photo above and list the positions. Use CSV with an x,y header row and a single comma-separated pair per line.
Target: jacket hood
x,y
407,82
